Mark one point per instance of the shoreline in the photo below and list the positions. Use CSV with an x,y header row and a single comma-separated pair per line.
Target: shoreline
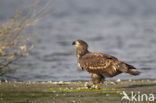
x,y
72,92
144,79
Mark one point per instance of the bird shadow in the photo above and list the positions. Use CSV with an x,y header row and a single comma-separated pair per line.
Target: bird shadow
x,y
140,85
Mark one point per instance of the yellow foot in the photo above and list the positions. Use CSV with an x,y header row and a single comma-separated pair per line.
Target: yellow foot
x,y
95,87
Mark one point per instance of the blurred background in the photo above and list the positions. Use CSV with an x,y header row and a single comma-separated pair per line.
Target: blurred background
x,y
125,29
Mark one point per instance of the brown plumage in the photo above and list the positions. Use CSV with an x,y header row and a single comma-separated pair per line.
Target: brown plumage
x,y
100,65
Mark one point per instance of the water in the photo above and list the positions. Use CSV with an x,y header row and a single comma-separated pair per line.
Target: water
x,y
125,29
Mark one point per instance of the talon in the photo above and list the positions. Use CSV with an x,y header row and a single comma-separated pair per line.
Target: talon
x,y
95,87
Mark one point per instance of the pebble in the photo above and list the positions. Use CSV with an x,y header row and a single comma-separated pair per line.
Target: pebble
x,y
107,95
60,82
54,82
73,101
86,84
112,83
49,81
118,80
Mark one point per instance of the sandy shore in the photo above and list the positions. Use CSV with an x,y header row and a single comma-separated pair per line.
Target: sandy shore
x,y
73,92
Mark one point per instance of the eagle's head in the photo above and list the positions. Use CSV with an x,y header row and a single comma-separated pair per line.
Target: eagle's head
x,y
80,44
81,47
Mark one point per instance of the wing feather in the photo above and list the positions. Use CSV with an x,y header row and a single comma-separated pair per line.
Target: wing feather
x,y
99,62
96,60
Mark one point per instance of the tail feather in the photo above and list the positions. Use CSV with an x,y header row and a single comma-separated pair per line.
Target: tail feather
x,y
126,68
133,72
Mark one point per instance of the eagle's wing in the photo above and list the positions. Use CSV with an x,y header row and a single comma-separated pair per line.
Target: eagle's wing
x,y
100,63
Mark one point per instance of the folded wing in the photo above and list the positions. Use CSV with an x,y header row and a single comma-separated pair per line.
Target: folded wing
x,y
103,64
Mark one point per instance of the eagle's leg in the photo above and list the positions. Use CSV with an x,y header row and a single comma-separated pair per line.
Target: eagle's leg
x,y
96,79
96,86
102,78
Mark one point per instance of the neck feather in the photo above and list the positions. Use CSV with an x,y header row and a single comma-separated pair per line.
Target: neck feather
x,y
81,51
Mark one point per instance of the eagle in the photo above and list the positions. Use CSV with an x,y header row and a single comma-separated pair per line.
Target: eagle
x,y
100,65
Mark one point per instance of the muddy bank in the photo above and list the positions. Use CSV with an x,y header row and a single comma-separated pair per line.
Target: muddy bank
x,y
72,92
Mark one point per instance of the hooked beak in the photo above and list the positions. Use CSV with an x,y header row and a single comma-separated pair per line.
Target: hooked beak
x,y
73,43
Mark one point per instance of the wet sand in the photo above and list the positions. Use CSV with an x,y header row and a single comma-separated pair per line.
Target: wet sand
x,y
72,92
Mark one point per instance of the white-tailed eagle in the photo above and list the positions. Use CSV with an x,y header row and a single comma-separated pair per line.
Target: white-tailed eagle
x,y
100,65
